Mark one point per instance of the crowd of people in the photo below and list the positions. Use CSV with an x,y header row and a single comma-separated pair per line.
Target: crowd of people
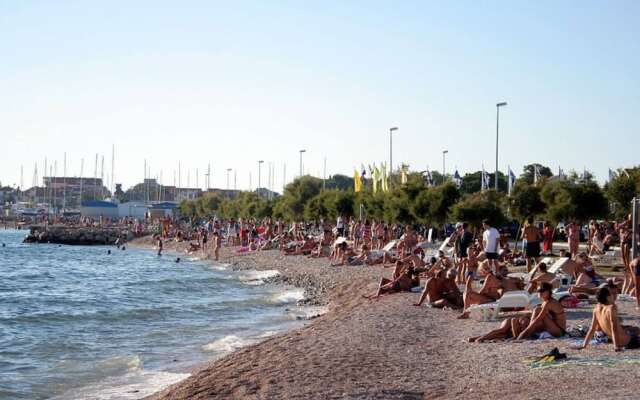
x,y
470,267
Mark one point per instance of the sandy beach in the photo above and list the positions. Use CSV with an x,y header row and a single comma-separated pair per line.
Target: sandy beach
x,y
389,349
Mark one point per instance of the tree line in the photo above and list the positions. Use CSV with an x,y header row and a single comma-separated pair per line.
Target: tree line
x,y
552,198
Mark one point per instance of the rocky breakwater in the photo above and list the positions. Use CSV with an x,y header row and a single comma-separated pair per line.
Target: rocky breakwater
x,y
78,235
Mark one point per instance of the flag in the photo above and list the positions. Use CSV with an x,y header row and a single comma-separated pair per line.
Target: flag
x,y
612,175
429,178
484,180
511,181
384,183
536,174
375,178
457,179
357,182
560,173
403,174
363,173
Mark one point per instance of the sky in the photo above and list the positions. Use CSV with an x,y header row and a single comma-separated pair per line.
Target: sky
x,y
230,83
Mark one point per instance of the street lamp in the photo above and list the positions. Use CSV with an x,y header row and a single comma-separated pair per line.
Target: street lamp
x,y
498,105
259,174
444,171
391,130
228,170
301,151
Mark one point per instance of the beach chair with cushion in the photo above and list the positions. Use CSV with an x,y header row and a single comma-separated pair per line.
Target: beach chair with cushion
x,y
513,299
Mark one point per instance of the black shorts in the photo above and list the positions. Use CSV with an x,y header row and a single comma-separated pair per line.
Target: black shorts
x,y
532,249
634,343
638,269
491,256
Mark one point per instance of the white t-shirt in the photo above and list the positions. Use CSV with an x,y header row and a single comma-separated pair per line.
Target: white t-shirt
x,y
491,238
340,223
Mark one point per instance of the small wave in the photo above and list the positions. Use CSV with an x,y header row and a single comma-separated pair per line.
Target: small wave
x,y
226,344
289,296
134,385
257,277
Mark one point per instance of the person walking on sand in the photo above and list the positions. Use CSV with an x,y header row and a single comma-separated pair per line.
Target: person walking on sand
x,y
216,245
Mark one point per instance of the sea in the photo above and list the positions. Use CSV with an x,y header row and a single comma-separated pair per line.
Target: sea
x,y
97,322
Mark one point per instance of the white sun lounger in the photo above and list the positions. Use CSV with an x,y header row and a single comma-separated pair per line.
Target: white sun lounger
x,y
513,299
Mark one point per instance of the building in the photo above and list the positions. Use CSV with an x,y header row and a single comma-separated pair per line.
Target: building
x,y
99,208
163,209
132,209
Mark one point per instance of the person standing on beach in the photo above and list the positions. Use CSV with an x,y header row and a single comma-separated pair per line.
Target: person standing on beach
x,y
573,238
635,267
216,245
490,242
159,243
531,235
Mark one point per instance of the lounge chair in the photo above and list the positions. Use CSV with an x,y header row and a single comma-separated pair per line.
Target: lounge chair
x,y
512,299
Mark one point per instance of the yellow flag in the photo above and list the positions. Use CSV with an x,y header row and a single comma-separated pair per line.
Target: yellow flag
x,y
357,182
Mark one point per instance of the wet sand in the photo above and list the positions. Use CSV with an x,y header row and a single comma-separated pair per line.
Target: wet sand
x,y
389,349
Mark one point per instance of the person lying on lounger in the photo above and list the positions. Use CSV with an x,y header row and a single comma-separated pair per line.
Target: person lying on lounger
x,y
491,290
403,283
547,317
510,328
541,275
605,318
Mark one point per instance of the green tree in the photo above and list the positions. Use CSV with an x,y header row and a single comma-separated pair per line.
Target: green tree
x,y
525,201
297,194
622,189
476,207
566,200
472,182
528,170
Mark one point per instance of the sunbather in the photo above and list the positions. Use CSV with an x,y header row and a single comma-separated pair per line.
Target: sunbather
x,y
490,291
540,276
402,283
547,317
509,328
605,318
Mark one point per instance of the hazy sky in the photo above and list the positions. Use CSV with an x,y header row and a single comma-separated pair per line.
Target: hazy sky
x,y
233,82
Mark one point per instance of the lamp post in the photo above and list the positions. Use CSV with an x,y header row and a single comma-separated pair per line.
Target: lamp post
x,y
259,174
444,171
498,105
228,170
301,151
391,130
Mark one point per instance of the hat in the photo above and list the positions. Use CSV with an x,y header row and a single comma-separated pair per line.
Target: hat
x,y
458,225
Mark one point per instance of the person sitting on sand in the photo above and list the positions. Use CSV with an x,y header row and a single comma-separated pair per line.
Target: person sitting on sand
x,y
605,318
587,276
403,283
442,291
491,290
547,317
324,246
541,275
510,328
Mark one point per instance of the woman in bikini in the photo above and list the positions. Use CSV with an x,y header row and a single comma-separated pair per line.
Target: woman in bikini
x,y
549,316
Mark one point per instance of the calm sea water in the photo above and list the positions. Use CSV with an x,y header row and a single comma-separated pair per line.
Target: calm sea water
x,y
76,322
